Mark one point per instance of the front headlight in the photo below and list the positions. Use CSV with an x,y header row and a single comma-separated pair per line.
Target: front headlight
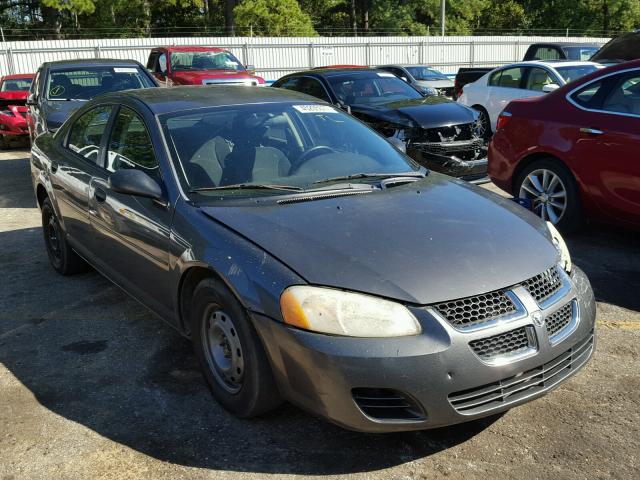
x,y
561,246
336,312
430,91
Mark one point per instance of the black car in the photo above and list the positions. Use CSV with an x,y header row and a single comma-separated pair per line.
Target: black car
x,y
624,48
60,88
309,260
436,132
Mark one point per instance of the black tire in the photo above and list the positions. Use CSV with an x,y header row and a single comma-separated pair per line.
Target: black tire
x,y
571,219
62,257
254,391
485,122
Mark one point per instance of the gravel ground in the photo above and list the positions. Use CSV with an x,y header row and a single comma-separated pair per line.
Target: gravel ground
x,y
92,385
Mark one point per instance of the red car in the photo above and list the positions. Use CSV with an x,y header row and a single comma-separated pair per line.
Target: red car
x,y
574,154
13,112
187,65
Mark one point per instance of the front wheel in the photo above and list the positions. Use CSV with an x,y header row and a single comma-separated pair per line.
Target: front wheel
x,y
553,192
483,123
230,352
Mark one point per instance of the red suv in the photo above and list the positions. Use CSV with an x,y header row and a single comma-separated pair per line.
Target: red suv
x,y
575,153
191,65
13,112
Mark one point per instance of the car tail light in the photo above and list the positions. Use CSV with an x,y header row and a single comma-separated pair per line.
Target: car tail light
x,y
503,119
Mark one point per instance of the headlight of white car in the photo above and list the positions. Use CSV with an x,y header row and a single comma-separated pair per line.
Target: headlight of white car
x,y
335,312
561,246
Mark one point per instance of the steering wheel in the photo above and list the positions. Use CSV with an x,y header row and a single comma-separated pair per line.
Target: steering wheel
x,y
311,153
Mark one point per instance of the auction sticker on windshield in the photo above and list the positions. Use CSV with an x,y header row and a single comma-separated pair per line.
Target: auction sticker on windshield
x,y
314,109
125,70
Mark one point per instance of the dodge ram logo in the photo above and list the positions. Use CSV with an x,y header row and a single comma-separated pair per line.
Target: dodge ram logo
x,y
538,318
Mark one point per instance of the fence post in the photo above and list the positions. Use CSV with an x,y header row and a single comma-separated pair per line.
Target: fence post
x,y
245,53
516,51
311,56
368,54
96,51
472,53
421,53
10,65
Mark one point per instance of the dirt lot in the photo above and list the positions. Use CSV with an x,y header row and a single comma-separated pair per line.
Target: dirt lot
x,y
93,386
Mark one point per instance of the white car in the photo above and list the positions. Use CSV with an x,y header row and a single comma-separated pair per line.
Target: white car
x,y
493,91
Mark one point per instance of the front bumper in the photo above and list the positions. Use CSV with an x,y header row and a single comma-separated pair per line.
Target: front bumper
x,y
431,372
449,163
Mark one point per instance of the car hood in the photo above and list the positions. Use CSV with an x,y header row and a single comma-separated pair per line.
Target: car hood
x,y
427,112
626,47
14,95
56,113
196,78
433,240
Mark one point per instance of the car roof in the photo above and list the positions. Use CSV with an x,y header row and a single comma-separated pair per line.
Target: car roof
x,y
405,65
551,64
89,62
18,75
334,72
191,48
191,97
569,44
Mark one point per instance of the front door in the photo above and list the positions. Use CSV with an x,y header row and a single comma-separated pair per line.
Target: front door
x,y
132,233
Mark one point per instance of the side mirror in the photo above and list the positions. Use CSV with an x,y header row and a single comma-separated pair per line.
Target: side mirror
x,y
32,100
135,182
344,107
550,87
251,69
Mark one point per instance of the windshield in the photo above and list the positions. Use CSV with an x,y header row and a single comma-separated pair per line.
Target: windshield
x,y
16,84
288,145
579,53
204,61
569,74
371,88
425,73
86,83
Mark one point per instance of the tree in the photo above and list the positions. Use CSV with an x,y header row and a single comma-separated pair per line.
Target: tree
x,y
273,18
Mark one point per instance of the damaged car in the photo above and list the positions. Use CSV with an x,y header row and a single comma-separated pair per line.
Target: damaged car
x,y
309,260
436,132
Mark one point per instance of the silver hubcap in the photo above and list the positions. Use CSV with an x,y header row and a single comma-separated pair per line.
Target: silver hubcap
x,y
481,125
223,351
547,192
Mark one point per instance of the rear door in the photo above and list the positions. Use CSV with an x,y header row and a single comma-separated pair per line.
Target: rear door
x,y
607,136
71,172
504,86
132,233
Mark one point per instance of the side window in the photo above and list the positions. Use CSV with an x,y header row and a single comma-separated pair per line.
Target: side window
x,y
313,87
290,84
624,95
86,133
546,53
510,78
153,61
130,145
538,78
494,79
587,96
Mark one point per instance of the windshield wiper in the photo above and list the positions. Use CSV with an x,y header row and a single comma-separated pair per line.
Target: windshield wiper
x,y
373,175
247,186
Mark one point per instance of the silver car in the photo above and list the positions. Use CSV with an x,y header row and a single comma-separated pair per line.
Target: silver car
x,y
424,78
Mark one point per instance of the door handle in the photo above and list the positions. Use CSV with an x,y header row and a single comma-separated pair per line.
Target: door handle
x,y
591,131
100,195
54,167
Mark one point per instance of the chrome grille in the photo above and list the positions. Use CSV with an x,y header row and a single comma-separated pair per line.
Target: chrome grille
x,y
507,344
472,311
542,286
559,319
499,394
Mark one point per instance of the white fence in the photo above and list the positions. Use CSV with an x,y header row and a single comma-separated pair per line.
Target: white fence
x,y
277,56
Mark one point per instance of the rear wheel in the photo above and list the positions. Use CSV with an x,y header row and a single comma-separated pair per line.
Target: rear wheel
x,y
230,352
61,256
553,192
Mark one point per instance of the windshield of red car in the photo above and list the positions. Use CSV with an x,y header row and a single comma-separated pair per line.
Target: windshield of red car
x,y
16,84
275,144
181,61
371,88
87,82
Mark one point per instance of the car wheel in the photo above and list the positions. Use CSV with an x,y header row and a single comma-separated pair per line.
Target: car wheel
x,y
483,124
553,192
62,257
230,352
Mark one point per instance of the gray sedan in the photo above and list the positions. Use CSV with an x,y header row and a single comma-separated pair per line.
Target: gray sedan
x,y
425,79
309,260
